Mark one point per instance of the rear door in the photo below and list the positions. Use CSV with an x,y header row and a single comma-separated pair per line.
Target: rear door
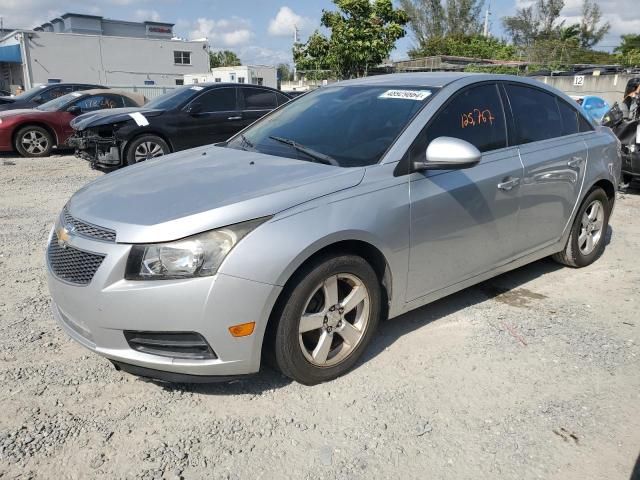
x,y
554,156
256,102
463,221
211,117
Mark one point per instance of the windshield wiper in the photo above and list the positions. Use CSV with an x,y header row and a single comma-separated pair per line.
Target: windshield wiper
x,y
247,143
316,156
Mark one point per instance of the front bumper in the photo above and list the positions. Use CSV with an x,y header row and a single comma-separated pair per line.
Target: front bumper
x,y
97,314
97,150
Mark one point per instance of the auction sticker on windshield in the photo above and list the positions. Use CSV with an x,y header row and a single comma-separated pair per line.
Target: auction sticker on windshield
x,y
418,95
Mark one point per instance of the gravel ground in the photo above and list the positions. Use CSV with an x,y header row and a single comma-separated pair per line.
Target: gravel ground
x,y
534,374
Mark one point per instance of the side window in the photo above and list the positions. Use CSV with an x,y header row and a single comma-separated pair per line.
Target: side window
x,y
474,115
584,124
93,102
258,99
569,118
535,113
218,100
282,98
54,92
128,102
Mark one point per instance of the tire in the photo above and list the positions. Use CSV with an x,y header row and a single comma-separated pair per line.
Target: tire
x,y
34,141
146,147
588,223
300,355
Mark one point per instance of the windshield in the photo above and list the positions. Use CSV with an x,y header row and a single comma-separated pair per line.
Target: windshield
x,y
351,126
174,98
59,103
32,92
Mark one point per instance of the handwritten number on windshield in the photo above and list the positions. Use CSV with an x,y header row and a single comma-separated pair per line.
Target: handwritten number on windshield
x,y
477,118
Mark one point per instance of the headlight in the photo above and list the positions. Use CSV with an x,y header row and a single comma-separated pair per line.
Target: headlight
x,y
196,256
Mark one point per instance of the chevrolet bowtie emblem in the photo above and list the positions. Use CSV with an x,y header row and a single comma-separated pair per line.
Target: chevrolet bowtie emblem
x,y
63,234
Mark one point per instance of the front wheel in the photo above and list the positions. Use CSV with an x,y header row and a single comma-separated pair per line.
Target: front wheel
x,y
327,320
146,147
588,233
34,141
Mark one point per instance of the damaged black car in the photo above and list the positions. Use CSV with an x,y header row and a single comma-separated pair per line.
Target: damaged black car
x,y
184,118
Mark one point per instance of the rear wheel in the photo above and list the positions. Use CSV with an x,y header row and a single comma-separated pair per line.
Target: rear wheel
x,y
587,238
328,319
34,141
146,147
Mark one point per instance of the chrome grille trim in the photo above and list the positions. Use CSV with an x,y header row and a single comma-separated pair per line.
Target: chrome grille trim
x,y
86,229
72,265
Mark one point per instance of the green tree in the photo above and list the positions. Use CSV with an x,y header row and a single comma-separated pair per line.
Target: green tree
x,y
430,19
628,52
537,22
223,58
284,72
312,57
362,34
591,31
475,46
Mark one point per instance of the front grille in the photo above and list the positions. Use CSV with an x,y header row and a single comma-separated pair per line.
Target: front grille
x,y
72,265
87,230
186,345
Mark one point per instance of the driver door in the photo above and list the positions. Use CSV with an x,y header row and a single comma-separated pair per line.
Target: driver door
x,y
463,221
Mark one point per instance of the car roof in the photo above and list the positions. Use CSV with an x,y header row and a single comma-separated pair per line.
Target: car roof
x,y
417,79
232,84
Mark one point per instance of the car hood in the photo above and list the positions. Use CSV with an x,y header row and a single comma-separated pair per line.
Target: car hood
x,y
110,116
201,189
5,100
19,111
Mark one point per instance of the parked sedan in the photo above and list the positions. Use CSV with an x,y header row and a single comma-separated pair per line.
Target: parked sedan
x,y
184,118
34,132
42,94
357,202
595,107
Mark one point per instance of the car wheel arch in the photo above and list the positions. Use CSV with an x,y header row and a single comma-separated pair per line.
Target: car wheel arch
x,y
372,254
19,127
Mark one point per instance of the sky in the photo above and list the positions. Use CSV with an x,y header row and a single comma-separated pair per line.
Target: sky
x,y
261,31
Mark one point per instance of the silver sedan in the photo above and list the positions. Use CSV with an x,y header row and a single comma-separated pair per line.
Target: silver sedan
x,y
355,203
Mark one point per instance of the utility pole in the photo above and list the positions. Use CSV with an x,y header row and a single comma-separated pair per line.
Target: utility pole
x,y
296,40
486,19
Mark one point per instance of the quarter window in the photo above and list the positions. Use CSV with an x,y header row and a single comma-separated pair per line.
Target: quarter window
x,y
258,99
535,113
474,115
182,58
218,100
569,118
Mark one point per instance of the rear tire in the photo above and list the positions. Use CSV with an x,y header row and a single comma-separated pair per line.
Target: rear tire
x,y
327,319
588,233
33,141
146,147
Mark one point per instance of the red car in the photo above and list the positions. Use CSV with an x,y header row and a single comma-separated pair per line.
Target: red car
x,y
34,132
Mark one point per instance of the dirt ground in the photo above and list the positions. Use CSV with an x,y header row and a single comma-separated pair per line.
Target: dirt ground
x,y
534,374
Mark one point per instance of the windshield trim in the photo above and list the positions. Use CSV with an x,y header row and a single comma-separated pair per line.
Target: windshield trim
x,y
434,91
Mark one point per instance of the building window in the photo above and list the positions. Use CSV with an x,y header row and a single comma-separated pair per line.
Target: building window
x,y
240,79
232,76
179,81
260,81
182,58
149,82
54,80
218,80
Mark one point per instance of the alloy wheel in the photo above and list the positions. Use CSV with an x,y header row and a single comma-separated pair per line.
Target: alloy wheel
x,y
591,227
147,150
335,319
34,142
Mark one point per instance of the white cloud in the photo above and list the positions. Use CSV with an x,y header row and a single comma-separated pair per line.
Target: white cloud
x,y
285,21
225,32
142,15
256,55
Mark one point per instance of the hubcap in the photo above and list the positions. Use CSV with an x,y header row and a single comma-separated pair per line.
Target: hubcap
x,y
147,150
335,320
34,142
591,227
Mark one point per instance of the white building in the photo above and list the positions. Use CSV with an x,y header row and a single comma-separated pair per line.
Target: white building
x,y
253,74
92,49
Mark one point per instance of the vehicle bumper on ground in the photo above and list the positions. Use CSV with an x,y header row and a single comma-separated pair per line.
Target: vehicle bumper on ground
x,y
97,315
95,149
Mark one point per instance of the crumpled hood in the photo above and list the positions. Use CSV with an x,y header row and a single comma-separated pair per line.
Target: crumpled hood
x,y
201,189
110,116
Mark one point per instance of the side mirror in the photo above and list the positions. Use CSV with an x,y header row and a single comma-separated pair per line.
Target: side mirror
x,y
194,108
74,110
448,153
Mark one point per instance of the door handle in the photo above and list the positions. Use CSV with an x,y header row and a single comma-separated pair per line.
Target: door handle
x,y
509,184
575,162
235,118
